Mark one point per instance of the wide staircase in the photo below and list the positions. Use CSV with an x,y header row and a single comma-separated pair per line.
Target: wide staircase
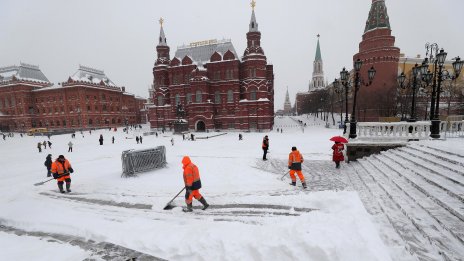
x,y
419,190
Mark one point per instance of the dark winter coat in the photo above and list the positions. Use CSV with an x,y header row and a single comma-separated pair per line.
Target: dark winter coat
x,y
48,162
338,152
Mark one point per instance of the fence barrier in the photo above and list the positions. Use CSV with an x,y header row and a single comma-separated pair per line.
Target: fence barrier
x,y
135,161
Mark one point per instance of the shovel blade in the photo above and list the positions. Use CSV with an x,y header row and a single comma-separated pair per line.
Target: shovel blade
x,y
168,207
38,184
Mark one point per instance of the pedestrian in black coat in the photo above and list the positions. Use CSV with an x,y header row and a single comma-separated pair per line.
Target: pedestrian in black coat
x,y
140,139
137,139
48,163
101,139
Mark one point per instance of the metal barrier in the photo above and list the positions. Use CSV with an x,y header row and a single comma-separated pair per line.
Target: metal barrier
x,y
134,161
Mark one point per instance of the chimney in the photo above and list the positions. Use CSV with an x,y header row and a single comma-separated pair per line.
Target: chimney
x,y
123,89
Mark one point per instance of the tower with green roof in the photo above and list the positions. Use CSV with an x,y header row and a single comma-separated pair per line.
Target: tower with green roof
x,y
317,81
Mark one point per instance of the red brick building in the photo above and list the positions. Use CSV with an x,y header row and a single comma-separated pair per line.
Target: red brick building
x,y
216,89
377,49
88,99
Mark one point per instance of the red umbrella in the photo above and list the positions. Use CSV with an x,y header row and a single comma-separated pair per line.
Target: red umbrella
x,y
339,139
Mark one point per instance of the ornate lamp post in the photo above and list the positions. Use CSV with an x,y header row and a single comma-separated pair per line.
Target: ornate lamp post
x,y
357,84
435,78
401,80
338,90
344,77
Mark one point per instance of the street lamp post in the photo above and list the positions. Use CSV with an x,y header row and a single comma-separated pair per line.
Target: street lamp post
x,y
344,77
401,80
339,91
438,59
358,81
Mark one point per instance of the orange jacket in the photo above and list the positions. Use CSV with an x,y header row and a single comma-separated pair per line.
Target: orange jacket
x,y
191,174
294,160
59,168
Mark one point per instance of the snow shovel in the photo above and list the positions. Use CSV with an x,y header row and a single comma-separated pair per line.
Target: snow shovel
x,y
169,206
282,178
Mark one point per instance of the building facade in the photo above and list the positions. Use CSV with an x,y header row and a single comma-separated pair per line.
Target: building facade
x,y
212,86
88,99
377,49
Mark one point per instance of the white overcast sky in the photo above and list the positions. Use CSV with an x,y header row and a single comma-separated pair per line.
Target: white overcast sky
x,y
120,36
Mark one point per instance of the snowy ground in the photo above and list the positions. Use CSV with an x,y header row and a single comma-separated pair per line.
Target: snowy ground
x,y
253,215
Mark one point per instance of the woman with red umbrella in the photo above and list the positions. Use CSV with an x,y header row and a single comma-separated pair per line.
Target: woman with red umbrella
x,y
338,148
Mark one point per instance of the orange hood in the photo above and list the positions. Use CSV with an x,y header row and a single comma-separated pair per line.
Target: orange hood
x,y
186,160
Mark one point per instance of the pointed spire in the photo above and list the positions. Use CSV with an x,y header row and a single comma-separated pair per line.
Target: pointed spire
x,y
318,50
287,97
253,23
162,37
378,16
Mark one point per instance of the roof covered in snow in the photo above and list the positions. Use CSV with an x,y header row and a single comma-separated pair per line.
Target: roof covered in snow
x,y
91,75
201,52
24,72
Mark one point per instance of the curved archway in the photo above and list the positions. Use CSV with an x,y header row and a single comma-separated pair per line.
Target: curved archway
x,y
200,126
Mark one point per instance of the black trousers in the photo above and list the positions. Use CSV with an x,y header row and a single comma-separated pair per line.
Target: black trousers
x,y
264,153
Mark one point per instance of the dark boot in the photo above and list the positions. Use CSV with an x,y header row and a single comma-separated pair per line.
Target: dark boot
x,y
205,204
68,186
293,183
304,184
189,208
60,186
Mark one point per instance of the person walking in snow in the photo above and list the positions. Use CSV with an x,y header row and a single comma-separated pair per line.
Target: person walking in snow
x,y
338,153
101,139
49,144
294,165
192,184
61,170
240,137
140,139
44,144
137,139
265,146
48,164
70,146
112,139
39,146
172,141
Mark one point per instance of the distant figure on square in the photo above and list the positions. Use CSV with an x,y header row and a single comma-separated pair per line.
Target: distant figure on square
x,y
240,137
140,139
39,146
265,146
48,164
112,139
137,139
294,164
70,146
101,139
338,153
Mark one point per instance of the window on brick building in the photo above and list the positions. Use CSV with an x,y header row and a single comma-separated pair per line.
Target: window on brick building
x,y
104,107
177,99
160,101
217,97
58,123
230,96
253,95
88,108
198,96
189,98
64,123
103,97
90,122
231,125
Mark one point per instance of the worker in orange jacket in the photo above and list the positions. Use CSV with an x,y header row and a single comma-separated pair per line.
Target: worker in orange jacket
x,y
192,184
61,170
294,164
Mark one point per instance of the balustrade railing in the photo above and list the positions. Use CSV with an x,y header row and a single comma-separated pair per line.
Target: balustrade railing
x,y
419,130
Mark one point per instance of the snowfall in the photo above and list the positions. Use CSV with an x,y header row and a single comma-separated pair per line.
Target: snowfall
x,y
254,215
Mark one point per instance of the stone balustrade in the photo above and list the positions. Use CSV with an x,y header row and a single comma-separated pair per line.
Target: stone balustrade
x,y
419,130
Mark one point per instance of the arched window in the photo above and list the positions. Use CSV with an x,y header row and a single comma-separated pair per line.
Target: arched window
x,y
90,122
177,99
198,96
64,123
230,96
160,100
189,98
253,95
217,97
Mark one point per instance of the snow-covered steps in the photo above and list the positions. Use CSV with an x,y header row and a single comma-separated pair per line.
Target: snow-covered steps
x,y
421,190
